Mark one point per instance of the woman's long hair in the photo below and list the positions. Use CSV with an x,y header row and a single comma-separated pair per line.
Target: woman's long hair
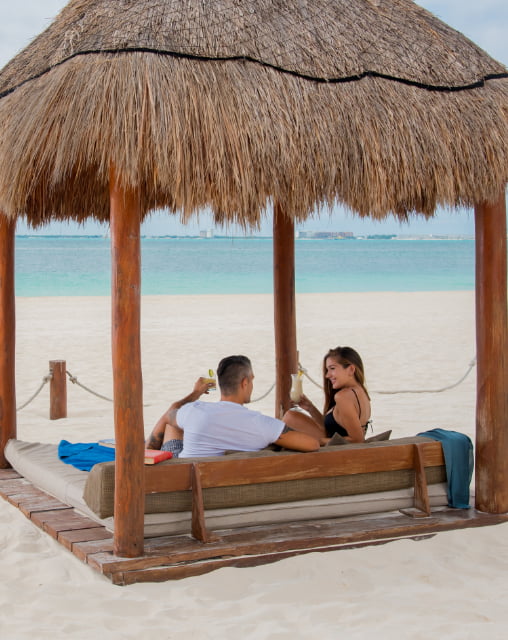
x,y
344,356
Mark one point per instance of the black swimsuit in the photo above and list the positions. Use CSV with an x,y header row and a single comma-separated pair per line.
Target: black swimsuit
x,y
332,426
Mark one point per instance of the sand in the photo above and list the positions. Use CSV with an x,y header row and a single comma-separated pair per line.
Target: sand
x,y
453,585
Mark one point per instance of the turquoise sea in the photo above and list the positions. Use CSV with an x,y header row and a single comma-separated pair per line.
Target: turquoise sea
x,y
80,266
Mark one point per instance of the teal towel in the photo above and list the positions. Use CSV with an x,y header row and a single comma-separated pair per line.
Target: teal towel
x,y
459,462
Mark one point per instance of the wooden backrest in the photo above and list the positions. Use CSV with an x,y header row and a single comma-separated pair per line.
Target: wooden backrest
x,y
198,475
230,472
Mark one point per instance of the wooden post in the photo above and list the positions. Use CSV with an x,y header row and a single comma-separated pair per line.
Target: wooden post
x,y
286,358
492,356
125,217
7,336
421,506
198,522
58,390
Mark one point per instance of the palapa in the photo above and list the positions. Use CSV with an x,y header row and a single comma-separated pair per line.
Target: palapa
x,y
124,106
234,105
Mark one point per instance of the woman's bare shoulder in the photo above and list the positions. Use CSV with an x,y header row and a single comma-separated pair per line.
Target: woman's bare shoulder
x,y
343,394
348,394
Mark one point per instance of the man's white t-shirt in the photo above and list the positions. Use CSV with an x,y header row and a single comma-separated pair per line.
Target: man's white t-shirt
x,y
211,428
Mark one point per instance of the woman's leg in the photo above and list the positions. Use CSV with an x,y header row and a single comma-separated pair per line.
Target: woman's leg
x,y
302,422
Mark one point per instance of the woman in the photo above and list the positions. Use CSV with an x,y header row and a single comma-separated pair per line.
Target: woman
x,y
347,402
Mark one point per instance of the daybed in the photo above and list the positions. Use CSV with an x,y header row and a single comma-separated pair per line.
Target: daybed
x,y
244,489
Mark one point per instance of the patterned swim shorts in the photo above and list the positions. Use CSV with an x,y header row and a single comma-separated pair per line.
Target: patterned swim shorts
x,y
175,446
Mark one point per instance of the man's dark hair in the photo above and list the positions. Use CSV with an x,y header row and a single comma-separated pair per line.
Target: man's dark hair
x,y
231,371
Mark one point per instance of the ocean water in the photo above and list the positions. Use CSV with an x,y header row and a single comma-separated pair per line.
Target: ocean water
x,y
71,266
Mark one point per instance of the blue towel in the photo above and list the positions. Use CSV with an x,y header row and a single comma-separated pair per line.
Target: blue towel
x,y
459,462
83,455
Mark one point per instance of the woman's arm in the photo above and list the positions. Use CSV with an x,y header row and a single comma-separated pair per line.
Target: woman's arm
x,y
305,404
345,413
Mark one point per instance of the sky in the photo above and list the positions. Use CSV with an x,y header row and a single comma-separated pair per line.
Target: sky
x,y
485,22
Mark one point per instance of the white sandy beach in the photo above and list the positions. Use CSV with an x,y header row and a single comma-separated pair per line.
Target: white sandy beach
x,y
453,585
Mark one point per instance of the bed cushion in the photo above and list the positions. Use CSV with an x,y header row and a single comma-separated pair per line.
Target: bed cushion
x,y
39,464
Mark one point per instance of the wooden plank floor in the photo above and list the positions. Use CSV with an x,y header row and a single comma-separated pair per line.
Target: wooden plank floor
x,y
175,557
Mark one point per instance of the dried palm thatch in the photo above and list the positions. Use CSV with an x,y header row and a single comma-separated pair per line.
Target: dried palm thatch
x,y
233,104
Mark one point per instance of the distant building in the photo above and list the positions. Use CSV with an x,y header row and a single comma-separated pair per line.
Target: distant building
x,y
326,235
206,233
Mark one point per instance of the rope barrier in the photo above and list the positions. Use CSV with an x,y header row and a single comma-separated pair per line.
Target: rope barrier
x,y
450,386
45,380
264,395
74,380
440,390
304,371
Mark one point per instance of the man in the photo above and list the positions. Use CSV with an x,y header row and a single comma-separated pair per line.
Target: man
x,y
191,428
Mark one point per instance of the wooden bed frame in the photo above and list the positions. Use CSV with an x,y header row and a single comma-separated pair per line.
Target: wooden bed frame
x,y
196,476
184,555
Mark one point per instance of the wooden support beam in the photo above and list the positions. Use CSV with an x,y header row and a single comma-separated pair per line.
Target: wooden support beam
x,y
492,358
286,358
125,216
7,336
58,390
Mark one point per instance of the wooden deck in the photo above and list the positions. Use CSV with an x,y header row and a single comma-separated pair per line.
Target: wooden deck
x,y
175,557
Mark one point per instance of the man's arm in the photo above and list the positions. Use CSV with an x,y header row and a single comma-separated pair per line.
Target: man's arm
x,y
296,440
168,418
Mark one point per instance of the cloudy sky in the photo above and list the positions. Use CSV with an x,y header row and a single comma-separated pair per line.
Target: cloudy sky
x,y
484,21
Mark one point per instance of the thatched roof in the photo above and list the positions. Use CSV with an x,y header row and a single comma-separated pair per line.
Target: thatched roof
x,y
234,103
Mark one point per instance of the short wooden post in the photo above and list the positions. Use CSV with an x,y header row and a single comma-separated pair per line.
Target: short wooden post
x,y
125,218
421,506
58,390
7,336
198,523
286,358
491,471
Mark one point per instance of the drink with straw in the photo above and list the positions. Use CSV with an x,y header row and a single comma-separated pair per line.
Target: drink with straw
x,y
296,386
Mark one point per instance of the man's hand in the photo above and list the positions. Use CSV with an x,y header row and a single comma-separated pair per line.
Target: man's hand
x,y
296,440
201,387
